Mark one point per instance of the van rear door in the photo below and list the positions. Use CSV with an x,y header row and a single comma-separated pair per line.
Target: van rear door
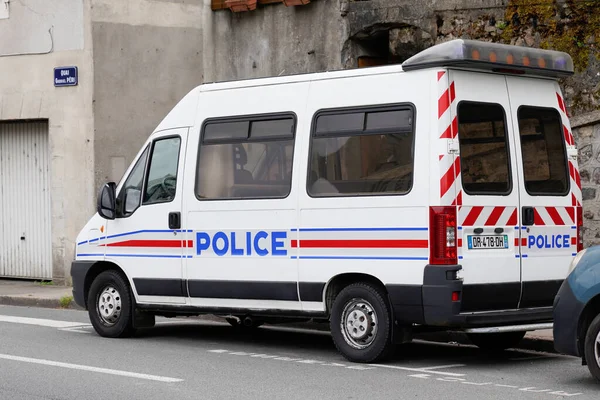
x,y
548,185
487,192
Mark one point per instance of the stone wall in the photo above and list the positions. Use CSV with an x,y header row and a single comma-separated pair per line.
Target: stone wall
x,y
586,129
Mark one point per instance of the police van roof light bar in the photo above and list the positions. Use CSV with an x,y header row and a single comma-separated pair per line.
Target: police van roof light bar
x,y
493,57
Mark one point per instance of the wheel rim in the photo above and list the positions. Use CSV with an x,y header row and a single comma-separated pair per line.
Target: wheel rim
x,y
359,323
597,349
109,305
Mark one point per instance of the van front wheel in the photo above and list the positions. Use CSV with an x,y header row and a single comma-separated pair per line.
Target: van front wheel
x,y
497,341
361,324
109,305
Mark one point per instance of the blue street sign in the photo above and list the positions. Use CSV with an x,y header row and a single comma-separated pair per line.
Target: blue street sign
x,y
65,76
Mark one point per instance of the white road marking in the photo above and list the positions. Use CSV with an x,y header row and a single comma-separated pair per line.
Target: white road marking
x,y
416,370
41,322
444,366
91,369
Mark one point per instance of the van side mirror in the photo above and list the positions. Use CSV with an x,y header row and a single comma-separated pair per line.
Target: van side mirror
x,y
107,201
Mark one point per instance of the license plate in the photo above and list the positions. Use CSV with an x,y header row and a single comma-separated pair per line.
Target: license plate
x,y
477,242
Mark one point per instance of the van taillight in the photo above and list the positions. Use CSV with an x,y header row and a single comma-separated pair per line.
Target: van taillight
x,y
442,236
579,230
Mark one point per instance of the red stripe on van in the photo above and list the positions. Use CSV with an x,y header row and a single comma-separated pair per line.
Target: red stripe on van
x,y
568,136
537,219
577,176
152,243
573,241
449,177
361,244
494,216
472,216
513,218
571,212
561,103
556,218
441,74
443,103
451,131
452,93
458,200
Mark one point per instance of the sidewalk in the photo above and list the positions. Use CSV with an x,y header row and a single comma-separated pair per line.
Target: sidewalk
x,y
35,294
32,294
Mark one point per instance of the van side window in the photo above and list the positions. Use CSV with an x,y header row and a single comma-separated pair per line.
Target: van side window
x,y
246,158
130,196
543,147
484,158
161,182
365,151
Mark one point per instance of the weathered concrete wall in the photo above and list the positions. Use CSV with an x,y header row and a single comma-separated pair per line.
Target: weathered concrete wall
x,y
586,129
27,92
42,26
273,40
147,55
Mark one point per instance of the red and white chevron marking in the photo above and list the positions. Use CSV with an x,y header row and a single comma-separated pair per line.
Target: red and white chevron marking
x,y
448,128
573,167
487,216
554,216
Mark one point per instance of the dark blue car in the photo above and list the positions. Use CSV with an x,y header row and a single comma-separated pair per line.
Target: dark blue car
x,y
577,311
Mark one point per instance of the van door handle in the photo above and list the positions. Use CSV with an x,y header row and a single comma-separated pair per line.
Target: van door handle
x,y
174,220
527,216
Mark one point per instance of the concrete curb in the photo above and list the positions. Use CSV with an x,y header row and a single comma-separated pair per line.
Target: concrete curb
x,y
36,302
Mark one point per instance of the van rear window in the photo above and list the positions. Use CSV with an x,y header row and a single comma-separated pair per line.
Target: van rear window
x,y
544,155
365,151
484,158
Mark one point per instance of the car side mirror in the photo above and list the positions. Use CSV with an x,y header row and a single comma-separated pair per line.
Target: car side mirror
x,y
107,201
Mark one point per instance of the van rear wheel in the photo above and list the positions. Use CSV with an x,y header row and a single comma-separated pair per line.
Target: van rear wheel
x,y
497,341
361,324
109,305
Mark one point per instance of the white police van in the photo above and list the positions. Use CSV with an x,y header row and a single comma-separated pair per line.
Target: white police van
x,y
442,193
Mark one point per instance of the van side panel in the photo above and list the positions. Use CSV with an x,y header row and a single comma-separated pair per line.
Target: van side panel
x,y
383,235
243,256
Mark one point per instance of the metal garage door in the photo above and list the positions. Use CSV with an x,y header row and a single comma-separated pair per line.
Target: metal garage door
x,y
25,241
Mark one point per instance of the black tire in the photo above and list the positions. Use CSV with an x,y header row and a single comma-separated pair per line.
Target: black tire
x,y
591,337
375,347
122,325
498,341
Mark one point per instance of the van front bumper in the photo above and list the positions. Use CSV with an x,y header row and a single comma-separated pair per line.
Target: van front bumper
x,y
79,270
432,304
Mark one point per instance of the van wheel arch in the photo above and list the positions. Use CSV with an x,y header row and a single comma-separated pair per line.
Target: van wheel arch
x,y
339,282
96,270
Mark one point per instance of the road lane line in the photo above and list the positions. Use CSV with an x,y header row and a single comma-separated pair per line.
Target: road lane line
x,y
91,369
444,367
427,371
41,322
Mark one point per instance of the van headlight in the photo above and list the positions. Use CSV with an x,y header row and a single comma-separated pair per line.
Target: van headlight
x,y
576,260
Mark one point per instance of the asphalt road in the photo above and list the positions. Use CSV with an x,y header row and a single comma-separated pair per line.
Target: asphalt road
x,y
55,354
